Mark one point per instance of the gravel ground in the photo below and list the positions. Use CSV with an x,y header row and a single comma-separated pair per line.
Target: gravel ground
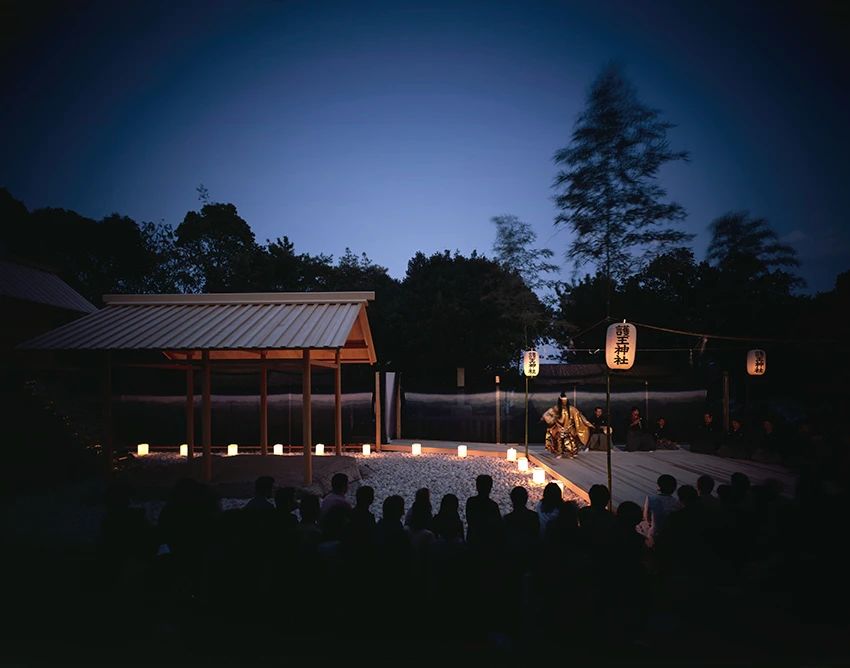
x,y
401,473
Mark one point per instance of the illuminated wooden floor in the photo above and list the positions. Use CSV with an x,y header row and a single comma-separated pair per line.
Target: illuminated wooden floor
x,y
634,473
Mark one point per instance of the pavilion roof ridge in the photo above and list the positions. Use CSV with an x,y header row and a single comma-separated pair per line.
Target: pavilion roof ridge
x,y
241,298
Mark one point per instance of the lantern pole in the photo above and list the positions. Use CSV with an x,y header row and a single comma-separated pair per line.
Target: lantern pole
x,y
608,439
526,417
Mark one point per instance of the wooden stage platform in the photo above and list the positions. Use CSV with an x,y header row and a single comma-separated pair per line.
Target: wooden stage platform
x,y
634,474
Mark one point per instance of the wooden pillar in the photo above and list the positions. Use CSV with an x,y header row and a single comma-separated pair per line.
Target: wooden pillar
x,y
498,414
264,406
206,418
307,419
377,411
190,412
338,404
398,404
106,436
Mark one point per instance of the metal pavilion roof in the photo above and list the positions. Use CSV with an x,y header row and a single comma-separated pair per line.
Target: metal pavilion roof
x,y
278,325
31,284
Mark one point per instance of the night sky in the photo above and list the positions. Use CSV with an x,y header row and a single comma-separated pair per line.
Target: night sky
x,y
396,127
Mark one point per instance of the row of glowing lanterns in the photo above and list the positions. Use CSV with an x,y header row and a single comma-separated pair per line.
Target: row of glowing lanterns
x,y
143,449
538,475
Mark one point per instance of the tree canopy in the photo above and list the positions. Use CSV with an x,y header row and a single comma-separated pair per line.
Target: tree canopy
x,y
607,189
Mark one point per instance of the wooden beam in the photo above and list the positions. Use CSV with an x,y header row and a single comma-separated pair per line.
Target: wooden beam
x,y
338,406
106,436
306,420
206,419
264,409
377,411
190,412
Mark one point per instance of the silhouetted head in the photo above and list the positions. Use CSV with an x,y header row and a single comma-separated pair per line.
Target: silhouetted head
x,y
707,418
661,422
740,481
484,484
284,499
598,411
736,424
420,517
705,484
687,495
393,508
568,515
519,497
423,497
449,504
264,487
635,412
309,508
364,496
767,425
339,483
599,496
551,497
666,483
629,513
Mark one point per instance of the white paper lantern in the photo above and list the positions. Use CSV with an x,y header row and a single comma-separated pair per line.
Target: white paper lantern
x,y
461,451
522,464
416,449
232,450
756,362
530,363
142,449
320,449
620,346
278,448
511,454
366,448
538,476
184,450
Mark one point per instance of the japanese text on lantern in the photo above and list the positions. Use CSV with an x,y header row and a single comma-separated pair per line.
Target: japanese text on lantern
x,y
530,363
621,351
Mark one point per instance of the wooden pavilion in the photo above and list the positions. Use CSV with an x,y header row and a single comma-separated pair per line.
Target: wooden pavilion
x,y
198,333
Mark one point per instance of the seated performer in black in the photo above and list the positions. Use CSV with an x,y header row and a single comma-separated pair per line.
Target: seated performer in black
x,y
707,438
637,438
663,441
599,431
567,430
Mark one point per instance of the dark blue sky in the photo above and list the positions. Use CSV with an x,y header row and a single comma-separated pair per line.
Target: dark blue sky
x,y
396,127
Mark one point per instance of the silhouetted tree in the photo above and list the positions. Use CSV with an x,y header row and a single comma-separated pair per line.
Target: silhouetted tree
x,y
217,250
748,249
464,311
607,188
514,249
752,292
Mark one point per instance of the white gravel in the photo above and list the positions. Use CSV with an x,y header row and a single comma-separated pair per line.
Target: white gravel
x,y
402,474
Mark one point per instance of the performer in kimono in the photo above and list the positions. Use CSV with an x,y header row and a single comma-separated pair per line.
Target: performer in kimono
x,y
567,430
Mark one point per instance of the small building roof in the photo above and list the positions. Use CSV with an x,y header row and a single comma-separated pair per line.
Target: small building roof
x,y
275,325
31,284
